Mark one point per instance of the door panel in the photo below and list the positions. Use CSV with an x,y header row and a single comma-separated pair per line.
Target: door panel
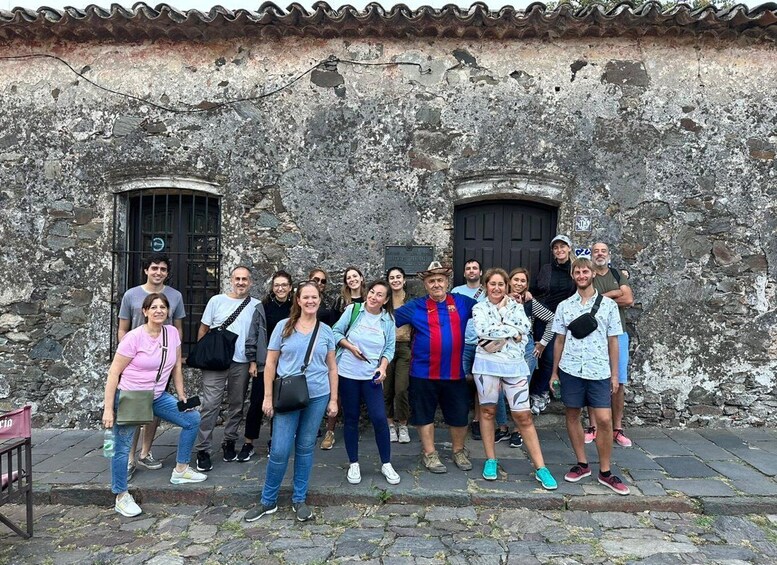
x,y
505,234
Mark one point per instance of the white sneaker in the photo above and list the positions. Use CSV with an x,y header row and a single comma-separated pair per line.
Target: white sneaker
x,y
126,506
392,477
188,475
354,474
404,436
393,434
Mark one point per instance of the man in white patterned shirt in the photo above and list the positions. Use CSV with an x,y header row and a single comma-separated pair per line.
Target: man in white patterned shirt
x,y
587,368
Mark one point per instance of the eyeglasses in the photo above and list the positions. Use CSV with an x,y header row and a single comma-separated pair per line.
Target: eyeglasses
x,y
281,285
319,280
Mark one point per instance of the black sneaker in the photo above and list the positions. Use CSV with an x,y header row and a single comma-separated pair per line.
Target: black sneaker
x,y
261,510
229,450
304,513
516,440
474,428
501,435
203,461
245,452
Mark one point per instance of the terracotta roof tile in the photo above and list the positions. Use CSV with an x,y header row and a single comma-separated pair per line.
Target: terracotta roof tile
x,y
535,21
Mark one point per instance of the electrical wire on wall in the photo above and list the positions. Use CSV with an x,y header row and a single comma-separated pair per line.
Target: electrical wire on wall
x,y
328,64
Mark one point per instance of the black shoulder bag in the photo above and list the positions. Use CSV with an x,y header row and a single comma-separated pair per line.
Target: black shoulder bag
x,y
585,324
291,393
215,350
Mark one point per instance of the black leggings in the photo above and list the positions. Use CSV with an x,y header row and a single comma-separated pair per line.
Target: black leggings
x,y
254,415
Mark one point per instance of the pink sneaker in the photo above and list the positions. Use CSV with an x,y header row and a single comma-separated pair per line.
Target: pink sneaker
x,y
590,434
619,438
576,473
614,483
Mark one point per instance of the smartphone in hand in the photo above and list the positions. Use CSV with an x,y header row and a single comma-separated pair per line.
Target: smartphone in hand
x,y
191,402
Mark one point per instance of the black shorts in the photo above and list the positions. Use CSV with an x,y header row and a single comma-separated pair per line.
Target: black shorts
x,y
453,398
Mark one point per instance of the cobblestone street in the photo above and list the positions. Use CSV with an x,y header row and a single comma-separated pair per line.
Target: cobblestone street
x,y
388,534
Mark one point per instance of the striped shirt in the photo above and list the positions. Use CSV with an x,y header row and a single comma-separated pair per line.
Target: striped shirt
x,y
438,342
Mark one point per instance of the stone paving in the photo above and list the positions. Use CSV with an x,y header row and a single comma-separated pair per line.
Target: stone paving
x,y
714,471
389,534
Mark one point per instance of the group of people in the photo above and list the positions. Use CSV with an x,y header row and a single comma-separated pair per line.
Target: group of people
x,y
401,357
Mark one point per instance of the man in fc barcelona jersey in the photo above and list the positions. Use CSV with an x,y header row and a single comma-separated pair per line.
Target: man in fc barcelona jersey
x,y
437,375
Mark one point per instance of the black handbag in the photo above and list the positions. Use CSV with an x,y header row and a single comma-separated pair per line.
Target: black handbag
x,y
215,350
136,407
291,393
585,324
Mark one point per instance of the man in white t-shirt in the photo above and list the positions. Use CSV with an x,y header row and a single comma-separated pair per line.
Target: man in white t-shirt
x,y
218,310
156,267
473,273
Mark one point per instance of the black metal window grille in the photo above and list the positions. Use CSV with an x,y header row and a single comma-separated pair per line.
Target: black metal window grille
x,y
183,224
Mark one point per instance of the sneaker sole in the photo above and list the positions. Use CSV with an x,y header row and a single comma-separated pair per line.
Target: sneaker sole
x,y
265,513
244,460
150,467
546,487
393,481
204,469
306,519
616,491
619,444
516,445
354,482
576,479
229,460
590,441
127,514
437,470
404,441
184,481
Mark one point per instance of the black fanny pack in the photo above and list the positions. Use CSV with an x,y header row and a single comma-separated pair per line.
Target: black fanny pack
x,y
585,324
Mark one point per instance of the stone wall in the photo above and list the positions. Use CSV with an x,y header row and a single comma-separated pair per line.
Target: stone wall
x,y
667,145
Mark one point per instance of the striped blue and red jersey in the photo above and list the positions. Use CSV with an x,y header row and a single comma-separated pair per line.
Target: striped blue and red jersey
x,y
438,340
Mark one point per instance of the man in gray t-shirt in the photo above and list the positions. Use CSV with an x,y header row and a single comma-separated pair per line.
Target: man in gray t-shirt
x,y
156,268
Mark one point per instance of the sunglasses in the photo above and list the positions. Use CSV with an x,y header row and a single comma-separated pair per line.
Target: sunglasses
x,y
319,280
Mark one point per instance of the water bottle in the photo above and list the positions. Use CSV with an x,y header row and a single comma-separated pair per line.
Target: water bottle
x,y
557,390
108,444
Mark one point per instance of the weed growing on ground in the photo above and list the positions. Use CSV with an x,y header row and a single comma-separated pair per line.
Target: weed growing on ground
x,y
704,521
383,495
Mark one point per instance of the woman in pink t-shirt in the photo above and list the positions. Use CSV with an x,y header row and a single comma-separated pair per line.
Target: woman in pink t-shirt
x,y
135,367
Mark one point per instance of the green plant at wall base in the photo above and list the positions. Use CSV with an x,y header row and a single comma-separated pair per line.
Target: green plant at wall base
x,y
383,495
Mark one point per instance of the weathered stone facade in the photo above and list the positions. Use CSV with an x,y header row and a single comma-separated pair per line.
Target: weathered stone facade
x,y
667,144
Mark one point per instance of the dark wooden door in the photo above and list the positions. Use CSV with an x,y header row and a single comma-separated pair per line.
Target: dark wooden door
x,y
505,234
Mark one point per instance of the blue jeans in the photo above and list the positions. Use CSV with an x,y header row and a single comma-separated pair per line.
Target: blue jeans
x,y
166,408
531,361
297,429
352,392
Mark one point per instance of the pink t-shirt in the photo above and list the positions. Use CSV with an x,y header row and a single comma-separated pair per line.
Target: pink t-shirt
x,y
146,354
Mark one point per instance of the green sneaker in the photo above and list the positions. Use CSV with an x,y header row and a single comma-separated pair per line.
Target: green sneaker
x,y
543,476
490,470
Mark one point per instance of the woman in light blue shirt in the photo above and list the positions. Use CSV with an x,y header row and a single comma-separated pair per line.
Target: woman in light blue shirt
x,y
501,325
298,428
366,347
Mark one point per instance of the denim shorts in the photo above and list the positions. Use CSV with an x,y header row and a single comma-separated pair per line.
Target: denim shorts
x,y
578,393
452,396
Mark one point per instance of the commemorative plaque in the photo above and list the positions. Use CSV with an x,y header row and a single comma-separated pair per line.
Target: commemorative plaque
x,y
412,258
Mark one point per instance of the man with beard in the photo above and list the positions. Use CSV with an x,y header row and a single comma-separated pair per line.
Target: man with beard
x,y
614,284
585,361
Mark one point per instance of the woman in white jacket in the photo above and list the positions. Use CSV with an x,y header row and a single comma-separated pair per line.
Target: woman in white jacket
x,y
502,326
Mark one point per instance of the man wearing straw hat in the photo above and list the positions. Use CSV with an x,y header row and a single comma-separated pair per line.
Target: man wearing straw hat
x,y
436,373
